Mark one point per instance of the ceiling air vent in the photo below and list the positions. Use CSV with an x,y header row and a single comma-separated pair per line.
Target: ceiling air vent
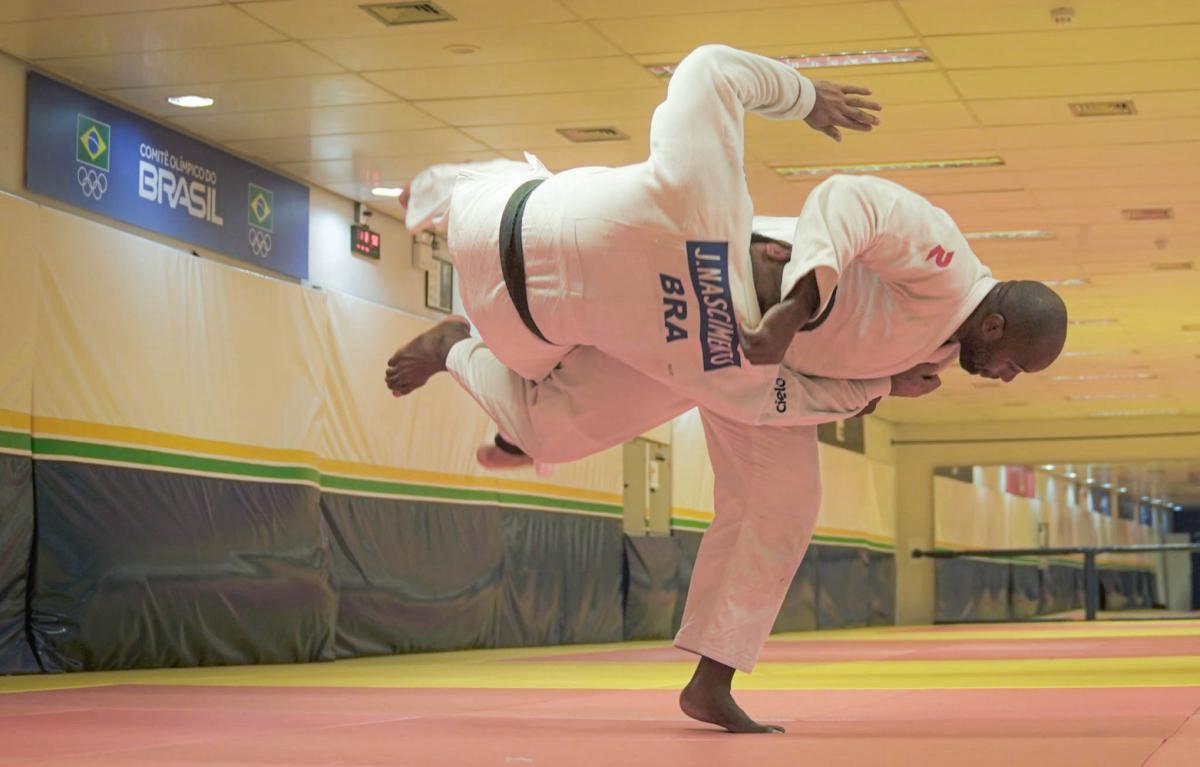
x,y
399,14
1102,108
1172,266
588,135
1148,214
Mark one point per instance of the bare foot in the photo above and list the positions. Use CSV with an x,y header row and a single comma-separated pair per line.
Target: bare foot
x,y
414,363
707,698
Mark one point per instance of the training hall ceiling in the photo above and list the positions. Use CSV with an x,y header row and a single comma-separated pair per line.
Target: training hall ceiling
x,y
324,91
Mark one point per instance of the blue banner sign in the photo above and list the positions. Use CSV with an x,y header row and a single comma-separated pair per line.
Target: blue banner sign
x,y
96,156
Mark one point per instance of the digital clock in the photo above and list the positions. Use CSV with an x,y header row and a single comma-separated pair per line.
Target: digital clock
x,y
363,241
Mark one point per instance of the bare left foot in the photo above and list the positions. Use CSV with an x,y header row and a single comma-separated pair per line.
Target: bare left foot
x,y
417,361
707,698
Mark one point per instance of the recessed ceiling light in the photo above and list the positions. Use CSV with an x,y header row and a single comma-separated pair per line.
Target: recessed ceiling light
x,y
1049,467
191,102
388,191
1012,234
802,171
1106,377
1102,108
1093,321
1071,475
1107,486
1148,214
1122,490
1090,481
817,60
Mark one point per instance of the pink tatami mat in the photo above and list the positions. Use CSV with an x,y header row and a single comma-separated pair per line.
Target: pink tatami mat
x,y
242,726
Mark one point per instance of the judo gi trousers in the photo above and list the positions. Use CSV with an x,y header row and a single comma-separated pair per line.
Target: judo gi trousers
x,y
767,481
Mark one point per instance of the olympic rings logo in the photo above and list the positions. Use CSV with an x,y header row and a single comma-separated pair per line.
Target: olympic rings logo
x,y
260,242
92,183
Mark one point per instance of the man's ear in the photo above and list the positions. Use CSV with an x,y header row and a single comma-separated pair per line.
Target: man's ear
x,y
993,327
779,252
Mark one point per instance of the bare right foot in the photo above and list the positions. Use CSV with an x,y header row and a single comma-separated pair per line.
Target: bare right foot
x,y
417,361
707,698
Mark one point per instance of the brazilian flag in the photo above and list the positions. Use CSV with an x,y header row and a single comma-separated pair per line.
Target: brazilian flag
x,y
93,139
262,208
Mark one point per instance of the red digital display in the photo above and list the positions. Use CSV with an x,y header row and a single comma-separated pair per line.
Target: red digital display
x,y
364,242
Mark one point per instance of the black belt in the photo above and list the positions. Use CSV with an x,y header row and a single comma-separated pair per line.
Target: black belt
x,y
819,321
512,254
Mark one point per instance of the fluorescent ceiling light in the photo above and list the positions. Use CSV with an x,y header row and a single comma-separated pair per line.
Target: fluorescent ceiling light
x,y
191,102
1120,413
1049,467
818,60
1012,234
876,167
1070,282
1122,490
1124,395
1106,377
388,191
1099,353
1071,475
1094,321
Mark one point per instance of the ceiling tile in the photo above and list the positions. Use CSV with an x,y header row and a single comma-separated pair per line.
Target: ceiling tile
x,y
1076,79
41,10
283,93
1066,46
424,48
619,9
322,121
133,32
946,17
200,65
1126,177
1113,157
1094,134
752,28
510,79
344,147
1057,109
540,135
569,109
812,148
367,172
322,19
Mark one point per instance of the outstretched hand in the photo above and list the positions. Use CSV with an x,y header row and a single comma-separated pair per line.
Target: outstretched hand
x,y
840,106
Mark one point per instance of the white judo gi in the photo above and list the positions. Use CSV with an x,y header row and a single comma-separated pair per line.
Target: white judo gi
x,y
906,280
610,255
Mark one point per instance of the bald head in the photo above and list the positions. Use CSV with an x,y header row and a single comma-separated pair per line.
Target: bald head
x,y
1036,319
1020,327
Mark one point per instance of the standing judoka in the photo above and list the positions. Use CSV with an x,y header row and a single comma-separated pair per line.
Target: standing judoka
x,y
909,294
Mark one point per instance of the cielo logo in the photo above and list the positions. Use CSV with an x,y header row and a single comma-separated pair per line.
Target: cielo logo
x,y
260,213
93,142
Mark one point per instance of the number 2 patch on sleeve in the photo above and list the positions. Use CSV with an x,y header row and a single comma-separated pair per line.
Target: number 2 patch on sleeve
x,y
940,256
